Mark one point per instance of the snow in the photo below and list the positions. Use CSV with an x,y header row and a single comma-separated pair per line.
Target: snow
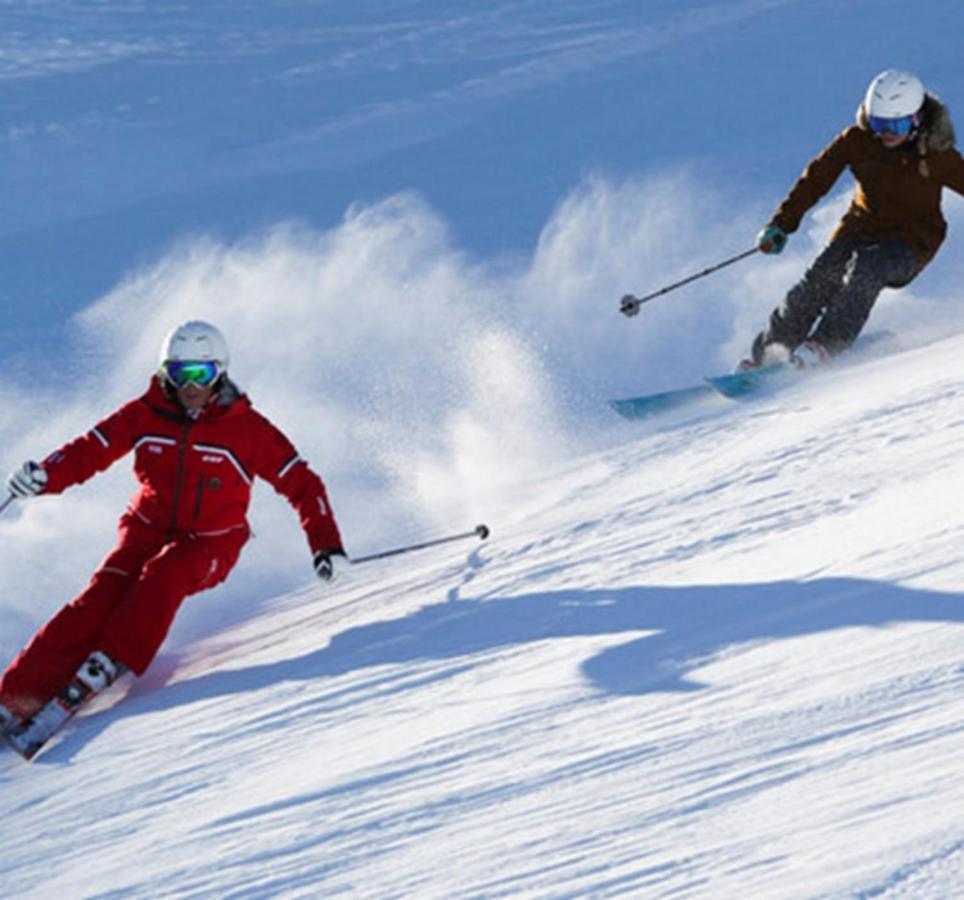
x,y
719,658
713,655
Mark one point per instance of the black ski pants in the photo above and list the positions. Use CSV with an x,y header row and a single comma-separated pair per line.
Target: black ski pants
x,y
840,289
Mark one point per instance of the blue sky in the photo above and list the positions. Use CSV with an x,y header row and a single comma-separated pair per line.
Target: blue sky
x,y
125,126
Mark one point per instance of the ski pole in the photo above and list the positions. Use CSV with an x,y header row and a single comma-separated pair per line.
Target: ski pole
x,y
480,531
630,305
7,502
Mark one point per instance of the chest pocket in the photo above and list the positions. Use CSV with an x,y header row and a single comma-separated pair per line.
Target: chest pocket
x,y
206,485
155,458
219,471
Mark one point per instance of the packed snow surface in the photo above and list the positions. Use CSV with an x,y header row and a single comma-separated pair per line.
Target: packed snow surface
x,y
721,657
716,655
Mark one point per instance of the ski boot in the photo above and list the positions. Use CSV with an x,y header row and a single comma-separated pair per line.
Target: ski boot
x,y
98,672
809,355
766,356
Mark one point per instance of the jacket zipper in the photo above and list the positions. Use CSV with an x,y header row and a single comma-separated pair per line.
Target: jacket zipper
x,y
179,478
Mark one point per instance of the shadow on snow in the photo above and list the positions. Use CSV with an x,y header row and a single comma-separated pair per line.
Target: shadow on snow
x,y
690,625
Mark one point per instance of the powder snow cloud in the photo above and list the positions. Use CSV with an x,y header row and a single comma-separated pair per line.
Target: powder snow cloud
x,y
424,384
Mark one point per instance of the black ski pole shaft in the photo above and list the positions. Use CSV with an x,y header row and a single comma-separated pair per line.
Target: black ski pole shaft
x,y
7,502
480,531
630,304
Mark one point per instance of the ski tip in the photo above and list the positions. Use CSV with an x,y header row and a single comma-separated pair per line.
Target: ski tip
x,y
482,531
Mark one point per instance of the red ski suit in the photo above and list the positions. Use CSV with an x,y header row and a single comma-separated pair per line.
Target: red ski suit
x,y
182,533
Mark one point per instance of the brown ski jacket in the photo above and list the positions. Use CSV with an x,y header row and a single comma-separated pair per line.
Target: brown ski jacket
x,y
898,194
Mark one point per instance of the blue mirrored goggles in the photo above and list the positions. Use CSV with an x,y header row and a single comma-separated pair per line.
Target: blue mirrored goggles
x,y
900,126
183,372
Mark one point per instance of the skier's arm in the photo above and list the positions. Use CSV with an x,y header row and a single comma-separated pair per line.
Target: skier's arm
x,y
952,171
817,179
105,443
280,465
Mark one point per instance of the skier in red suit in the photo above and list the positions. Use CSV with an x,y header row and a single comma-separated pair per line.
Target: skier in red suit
x,y
198,445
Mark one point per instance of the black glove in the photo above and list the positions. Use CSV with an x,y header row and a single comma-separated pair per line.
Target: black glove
x,y
324,567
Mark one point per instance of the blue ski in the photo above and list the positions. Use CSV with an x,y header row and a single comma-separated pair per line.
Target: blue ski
x,y
735,384
667,401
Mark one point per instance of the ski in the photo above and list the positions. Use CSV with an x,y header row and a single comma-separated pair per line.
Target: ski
x,y
666,401
8,721
735,385
97,673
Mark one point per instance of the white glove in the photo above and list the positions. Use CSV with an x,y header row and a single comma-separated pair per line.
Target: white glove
x,y
27,481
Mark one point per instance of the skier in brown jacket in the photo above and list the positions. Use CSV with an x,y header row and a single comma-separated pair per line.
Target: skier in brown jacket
x,y
901,153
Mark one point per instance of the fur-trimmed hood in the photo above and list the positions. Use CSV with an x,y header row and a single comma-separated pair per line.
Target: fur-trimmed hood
x,y
936,131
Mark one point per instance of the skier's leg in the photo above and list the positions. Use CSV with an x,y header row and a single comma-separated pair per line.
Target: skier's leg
x,y
790,323
871,268
136,628
53,655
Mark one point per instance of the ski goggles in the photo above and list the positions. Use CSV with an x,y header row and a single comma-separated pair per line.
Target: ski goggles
x,y
183,372
900,126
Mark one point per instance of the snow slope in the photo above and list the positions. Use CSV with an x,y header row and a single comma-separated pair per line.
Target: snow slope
x,y
721,658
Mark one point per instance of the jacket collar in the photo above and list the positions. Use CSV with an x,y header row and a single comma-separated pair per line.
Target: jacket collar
x,y
228,401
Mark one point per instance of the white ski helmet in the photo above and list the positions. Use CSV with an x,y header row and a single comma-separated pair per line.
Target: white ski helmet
x,y
195,341
894,94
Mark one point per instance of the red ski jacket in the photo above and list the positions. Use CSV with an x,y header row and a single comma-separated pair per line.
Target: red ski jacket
x,y
196,474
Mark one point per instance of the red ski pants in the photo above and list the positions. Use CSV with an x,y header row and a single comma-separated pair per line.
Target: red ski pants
x,y
125,611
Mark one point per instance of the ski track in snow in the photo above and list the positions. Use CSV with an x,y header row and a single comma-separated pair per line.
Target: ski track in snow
x,y
723,659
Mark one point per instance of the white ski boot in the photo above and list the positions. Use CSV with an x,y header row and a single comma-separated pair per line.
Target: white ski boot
x,y
98,672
